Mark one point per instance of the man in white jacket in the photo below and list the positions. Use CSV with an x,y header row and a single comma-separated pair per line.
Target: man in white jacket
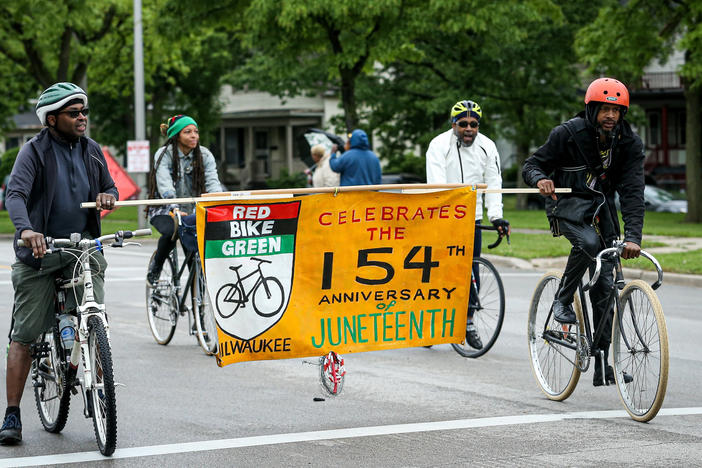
x,y
463,155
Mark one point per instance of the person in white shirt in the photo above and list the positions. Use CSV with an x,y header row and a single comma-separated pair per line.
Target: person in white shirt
x,y
323,175
463,155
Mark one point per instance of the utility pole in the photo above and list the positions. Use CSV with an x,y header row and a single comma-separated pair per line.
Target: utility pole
x,y
139,107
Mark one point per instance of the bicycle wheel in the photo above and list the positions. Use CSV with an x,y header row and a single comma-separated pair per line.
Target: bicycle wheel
x,y
204,315
228,297
268,297
555,366
640,348
162,303
102,400
51,388
490,314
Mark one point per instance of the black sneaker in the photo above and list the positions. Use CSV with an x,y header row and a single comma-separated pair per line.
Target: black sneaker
x,y
609,379
153,274
472,337
563,313
11,432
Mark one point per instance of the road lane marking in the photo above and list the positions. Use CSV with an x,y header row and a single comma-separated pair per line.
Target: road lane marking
x,y
274,439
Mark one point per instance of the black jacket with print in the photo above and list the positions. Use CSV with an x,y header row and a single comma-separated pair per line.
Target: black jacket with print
x,y
570,155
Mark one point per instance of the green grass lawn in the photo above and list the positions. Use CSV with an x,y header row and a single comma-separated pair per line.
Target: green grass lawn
x,y
124,218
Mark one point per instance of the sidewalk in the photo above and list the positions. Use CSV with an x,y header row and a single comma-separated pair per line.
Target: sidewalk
x,y
673,244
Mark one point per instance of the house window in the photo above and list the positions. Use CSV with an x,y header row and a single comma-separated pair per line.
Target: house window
x,y
654,129
261,152
234,147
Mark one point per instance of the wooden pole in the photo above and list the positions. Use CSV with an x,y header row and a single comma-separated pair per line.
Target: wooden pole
x,y
281,193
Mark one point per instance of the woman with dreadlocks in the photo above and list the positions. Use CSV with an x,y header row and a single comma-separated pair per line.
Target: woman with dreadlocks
x,y
191,172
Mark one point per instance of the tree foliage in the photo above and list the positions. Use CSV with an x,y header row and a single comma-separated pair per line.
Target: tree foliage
x,y
639,31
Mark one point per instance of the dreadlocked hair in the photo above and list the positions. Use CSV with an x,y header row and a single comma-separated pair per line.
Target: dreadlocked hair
x,y
198,173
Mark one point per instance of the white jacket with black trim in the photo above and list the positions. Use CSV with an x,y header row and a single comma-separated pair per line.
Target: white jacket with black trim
x,y
478,163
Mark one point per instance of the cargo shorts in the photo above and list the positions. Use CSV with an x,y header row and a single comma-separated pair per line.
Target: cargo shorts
x,y
33,312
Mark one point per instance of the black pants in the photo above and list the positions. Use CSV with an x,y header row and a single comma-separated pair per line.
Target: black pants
x,y
586,244
165,225
477,248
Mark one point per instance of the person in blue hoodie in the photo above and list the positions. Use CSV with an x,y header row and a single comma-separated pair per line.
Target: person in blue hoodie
x,y
358,165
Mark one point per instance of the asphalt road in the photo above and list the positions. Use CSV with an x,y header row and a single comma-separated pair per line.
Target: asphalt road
x,y
408,407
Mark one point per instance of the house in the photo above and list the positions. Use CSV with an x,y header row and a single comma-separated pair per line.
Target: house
x,y
661,97
260,135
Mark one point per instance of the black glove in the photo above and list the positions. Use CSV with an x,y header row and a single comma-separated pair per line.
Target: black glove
x,y
501,223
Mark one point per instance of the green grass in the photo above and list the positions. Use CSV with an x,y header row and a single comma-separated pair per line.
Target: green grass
x,y
124,218
530,246
661,224
525,246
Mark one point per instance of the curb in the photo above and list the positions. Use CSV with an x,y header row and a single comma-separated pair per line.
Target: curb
x,y
559,263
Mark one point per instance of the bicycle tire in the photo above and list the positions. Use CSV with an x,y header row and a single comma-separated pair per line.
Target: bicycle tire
x,y
646,362
102,396
270,292
556,375
222,298
162,303
51,395
205,324
488,320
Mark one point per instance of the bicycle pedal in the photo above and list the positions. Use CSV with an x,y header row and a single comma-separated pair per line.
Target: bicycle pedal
x,y
40,350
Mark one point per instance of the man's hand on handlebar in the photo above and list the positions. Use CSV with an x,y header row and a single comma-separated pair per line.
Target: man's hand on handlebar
x,y
502,226
34,241
547,188
105,201
631,250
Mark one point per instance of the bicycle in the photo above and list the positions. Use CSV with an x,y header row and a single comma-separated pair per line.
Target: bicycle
x,y
560,353
266,294
489,293
54,367
164,301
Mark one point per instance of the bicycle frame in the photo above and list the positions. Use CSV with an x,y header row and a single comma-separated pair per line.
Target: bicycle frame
x,y
240,282
613,304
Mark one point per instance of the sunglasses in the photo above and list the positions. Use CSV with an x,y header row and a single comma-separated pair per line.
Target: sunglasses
x,y
465,123
74,113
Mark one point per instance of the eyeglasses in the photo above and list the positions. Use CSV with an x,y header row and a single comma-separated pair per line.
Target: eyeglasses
x,y
74,113
465,123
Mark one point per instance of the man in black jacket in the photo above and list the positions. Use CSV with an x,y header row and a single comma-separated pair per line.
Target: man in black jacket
x,y
54,172
595,154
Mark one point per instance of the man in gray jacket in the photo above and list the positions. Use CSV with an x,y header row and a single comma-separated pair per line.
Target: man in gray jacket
x,y
54,172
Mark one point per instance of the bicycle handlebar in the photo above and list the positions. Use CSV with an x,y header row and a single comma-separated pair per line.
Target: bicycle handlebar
x,y
485,227
617,250
117,236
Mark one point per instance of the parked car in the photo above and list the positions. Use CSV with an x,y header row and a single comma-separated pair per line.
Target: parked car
x,y
655,199
401,178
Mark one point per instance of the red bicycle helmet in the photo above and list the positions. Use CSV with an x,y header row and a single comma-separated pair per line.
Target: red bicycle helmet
x,y
608,91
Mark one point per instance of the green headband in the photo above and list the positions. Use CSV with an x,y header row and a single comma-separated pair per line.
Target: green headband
x,y
179,125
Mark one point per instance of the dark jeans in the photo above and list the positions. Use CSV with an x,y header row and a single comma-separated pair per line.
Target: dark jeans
x,y
586,244
477,248
165,225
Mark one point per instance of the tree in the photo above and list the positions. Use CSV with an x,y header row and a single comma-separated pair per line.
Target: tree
x,y
43,42
514,58
639,31
312,46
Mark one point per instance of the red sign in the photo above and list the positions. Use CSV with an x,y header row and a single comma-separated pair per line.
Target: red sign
x,y
128,189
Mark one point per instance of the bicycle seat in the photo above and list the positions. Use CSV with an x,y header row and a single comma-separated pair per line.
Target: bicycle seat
x,y
234,268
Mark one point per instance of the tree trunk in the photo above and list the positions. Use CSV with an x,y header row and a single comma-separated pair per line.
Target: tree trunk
x,y
522,154
693,158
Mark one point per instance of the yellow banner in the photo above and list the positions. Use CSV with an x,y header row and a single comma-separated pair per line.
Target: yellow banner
x,y
350,272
